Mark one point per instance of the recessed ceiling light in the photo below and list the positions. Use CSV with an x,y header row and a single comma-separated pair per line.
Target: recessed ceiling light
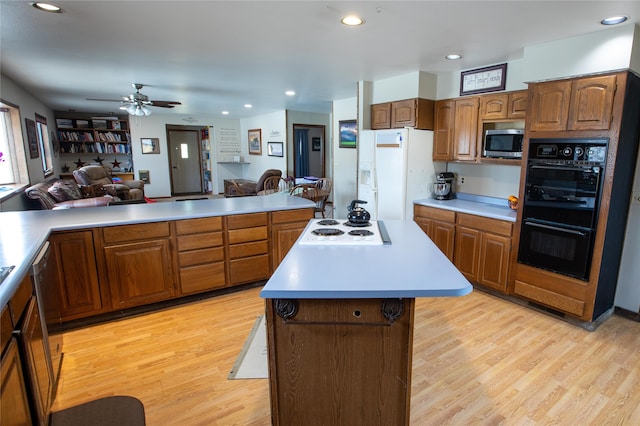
x,y
613,20
248,106
290,93
225,112
47,7
352,20
453,57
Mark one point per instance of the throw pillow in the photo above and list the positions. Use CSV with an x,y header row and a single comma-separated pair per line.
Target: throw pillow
x,y
65,190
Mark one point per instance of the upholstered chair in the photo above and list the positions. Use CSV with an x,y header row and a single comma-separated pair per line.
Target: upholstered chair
x,y
94,174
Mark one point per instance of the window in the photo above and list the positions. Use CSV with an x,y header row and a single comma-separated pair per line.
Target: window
x,y
13,165
45,145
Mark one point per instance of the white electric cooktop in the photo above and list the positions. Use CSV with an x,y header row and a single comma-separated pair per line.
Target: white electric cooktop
x,y
342,232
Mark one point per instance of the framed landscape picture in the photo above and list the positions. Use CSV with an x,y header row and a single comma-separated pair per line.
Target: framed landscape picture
x,y
255,142
348,134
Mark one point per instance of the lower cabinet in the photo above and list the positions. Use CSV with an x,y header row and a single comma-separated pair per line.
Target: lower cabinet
x,y
479,247
14,409
200,254
248,248
79,288
286,227
138,264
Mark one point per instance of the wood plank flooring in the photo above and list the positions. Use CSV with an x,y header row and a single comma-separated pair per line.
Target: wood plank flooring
x,y
478,360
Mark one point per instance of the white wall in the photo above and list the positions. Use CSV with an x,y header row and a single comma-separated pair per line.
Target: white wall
x,y
154,126
344,160
417,84
489,180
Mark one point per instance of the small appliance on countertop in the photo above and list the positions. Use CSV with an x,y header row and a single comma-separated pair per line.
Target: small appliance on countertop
x,y
443,187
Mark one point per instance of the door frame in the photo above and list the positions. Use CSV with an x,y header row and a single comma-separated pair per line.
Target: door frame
x,y
323,147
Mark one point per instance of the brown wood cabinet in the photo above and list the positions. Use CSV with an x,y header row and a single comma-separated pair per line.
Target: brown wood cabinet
x,y
200,252
503,106
286,227
138,264
339,362
439,225
575,104
14,402
415,112
78,286
483,250
456,127
248,248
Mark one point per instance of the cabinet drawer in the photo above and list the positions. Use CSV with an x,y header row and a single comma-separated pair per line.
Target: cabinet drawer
x,y
20,299
247,235
249,269
246,220
291,216
495,226
198,257
143,231
435,213
550,298
195,226
248,249
202,278
198,241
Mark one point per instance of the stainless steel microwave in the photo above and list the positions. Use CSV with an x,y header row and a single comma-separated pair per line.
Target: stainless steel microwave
x,y
503,143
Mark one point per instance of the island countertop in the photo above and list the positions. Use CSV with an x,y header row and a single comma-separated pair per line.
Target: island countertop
x,y
22,233
412,266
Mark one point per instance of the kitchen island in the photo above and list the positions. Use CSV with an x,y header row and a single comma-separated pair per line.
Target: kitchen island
x,y
340,327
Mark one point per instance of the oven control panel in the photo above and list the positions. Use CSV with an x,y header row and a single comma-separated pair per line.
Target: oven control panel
x,y
569,150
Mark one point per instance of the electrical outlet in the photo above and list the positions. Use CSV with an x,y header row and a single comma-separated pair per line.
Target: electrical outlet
x,y
461,180
635,199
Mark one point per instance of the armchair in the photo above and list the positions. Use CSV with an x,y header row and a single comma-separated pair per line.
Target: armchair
x,y
126,190
244,188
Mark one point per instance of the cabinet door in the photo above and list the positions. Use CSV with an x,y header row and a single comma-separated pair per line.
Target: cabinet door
x,y
443,235
403,113
494,107
517,104
381,116
494,261
465,129
79,289
283,237
14,404
467,249
443,134
550,105
591,103
139,273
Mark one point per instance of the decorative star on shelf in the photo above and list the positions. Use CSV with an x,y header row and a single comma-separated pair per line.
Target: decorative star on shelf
x,y
65,168
98,160
116,164
79,163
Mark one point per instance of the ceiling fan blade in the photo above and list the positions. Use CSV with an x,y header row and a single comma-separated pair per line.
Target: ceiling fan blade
x,y
159,103
107,100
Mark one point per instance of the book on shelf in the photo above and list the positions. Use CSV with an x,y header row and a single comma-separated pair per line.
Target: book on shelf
x,y
99,124
82,124
64,123
115,125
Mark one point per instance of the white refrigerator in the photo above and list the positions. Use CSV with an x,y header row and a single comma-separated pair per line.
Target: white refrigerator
x,y
395,167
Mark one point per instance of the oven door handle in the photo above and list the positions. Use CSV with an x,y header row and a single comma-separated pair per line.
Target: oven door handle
x,y
555,228
590,169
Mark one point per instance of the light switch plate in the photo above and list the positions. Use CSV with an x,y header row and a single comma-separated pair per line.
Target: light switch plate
x,y
635,198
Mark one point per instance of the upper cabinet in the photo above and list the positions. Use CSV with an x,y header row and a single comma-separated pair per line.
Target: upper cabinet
x,y
416,112
502,106
576,104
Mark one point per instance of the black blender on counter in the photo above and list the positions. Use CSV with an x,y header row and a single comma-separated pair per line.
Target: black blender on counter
x,y
443,187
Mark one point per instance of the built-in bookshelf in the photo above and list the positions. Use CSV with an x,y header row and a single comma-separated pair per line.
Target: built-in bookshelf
x,y
91,139
205,137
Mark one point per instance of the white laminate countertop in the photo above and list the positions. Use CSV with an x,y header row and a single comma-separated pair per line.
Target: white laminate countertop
x,y
412,266
494,208
22,233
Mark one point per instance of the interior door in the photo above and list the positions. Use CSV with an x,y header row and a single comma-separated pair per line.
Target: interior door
x,y
184,162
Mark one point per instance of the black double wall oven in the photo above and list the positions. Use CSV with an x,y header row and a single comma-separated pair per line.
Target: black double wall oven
x,y
563,183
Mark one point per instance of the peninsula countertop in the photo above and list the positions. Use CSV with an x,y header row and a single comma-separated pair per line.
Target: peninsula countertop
x,y
494,208
412,266
22,233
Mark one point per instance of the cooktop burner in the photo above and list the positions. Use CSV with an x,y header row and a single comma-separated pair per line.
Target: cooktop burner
x,y
361,232
328,222
327,232
357,225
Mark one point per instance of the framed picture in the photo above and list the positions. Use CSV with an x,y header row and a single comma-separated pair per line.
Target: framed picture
x,y
34,151
274,149
316,144
348,134
150,145
255,142
481,80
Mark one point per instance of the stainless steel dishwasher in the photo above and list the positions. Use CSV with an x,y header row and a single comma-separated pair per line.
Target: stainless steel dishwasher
x,y
45,276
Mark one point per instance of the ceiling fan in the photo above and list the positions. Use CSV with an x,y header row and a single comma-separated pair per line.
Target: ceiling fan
x,y
138,103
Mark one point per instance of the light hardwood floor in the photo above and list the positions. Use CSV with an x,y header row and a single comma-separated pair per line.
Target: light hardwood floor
x,y
478,360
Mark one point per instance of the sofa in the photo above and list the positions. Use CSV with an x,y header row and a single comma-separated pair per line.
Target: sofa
x,y
100,175
65,194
